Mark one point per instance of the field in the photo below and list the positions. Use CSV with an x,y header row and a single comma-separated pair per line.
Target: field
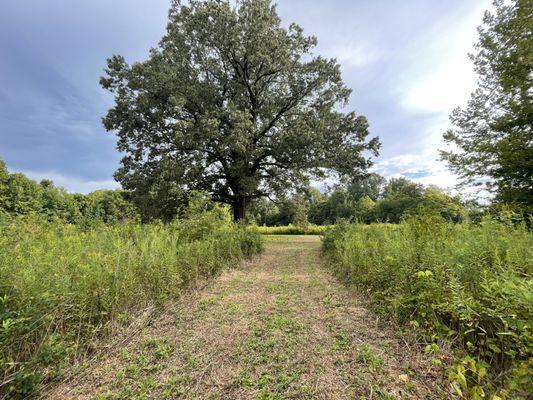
x,y
277,327
462,286
293,230
64,288
422,309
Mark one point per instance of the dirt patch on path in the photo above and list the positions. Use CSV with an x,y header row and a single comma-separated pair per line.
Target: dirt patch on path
x,y
277,327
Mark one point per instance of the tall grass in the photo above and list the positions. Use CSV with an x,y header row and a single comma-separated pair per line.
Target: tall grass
x,y
470,284
292,230
61,285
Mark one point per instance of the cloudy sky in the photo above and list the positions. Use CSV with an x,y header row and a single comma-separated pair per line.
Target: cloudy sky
x,y
405,60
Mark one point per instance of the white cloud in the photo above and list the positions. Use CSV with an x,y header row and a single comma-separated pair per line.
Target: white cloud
x,y
72,184
441,75
425,168
353,55
444,89
438,78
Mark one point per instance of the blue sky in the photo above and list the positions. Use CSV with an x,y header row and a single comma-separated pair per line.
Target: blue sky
x,y
406,62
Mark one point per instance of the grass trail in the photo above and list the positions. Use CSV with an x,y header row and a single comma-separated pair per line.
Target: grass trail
x,y
277,327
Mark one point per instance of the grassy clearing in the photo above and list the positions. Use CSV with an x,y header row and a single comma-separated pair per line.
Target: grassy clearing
x,y
61,286
292,238
278,327
292,230
469,285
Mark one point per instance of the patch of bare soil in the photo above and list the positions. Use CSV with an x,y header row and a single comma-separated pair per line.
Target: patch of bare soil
x,y
277,327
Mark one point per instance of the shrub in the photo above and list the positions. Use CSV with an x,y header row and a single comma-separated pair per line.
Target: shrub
x,y
61,285
468,283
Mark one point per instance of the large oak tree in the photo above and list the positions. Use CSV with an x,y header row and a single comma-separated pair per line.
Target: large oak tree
x,y
233,104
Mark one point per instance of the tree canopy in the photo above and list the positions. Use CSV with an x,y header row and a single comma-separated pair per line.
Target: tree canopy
x,y
494,137
233,104
367,200
21,196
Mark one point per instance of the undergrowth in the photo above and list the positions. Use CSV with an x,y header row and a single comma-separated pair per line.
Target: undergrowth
x,y
292,230
464,284
62,286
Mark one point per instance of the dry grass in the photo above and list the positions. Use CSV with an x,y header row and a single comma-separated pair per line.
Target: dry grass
x,y
277,327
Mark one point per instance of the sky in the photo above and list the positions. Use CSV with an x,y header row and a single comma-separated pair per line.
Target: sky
x,y
406,62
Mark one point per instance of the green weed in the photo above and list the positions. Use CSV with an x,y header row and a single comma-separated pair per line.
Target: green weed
x,y
466,283
61,285
292,230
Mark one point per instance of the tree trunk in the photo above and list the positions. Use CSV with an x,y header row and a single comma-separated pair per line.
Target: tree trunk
x,y
239,209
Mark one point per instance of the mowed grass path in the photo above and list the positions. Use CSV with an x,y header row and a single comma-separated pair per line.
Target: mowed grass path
x,y
277,327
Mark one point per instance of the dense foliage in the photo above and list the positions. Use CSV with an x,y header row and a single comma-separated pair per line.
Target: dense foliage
x,y
493,142
20,195
63,285
371,199
366,200
233,104
469,284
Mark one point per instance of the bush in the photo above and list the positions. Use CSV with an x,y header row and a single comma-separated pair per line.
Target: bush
x,y
61,285
468,283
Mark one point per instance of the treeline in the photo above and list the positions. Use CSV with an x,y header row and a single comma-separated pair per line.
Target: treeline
x,y
367,200
20,195
372,199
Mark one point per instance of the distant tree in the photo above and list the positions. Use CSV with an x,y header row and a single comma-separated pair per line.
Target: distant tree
x,y
23,195
316,212
365,209
20,195
335,206
301,211
475,210
109,206
233,104
262,212
494,135
313,195
370,185
293,210
56,203
401,196
394,208
450,208
403,187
